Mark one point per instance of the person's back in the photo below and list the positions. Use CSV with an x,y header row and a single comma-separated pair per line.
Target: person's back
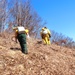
x,y
21,36
45,34
48,31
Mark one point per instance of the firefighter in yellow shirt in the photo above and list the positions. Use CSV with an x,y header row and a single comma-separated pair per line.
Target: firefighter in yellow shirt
x,y
22,39
45,35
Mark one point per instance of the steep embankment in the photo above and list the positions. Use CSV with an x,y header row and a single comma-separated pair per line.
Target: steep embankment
x,y
41,60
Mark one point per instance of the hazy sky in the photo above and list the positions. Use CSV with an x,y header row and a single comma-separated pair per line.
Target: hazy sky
x,y
59,14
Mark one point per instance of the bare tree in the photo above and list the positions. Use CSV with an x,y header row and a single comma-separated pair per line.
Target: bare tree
x,y
2,14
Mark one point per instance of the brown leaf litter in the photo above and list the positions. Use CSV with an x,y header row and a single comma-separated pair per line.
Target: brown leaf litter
x,y
41,59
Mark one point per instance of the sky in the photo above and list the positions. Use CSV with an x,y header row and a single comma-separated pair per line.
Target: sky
x,y
59,15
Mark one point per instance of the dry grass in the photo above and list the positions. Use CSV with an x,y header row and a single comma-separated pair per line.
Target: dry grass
x,y
41,60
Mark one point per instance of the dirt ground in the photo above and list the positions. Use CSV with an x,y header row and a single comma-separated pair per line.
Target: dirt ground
x,y
40,60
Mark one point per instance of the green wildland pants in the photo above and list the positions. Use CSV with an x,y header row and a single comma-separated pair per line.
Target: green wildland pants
x,y
22,40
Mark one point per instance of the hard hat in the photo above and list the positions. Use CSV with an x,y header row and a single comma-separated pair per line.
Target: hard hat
x,y
14,28
45,27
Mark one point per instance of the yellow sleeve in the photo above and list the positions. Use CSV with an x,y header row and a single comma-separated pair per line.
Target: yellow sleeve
x,y
16,33
26,31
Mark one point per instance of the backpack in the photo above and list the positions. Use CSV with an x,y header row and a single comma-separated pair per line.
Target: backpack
x,y
21,29
45,32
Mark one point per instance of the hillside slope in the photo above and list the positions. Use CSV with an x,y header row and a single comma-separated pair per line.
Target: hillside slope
x,y
41,59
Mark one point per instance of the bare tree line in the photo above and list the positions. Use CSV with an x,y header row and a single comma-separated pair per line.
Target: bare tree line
x,y
62,40
19,12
